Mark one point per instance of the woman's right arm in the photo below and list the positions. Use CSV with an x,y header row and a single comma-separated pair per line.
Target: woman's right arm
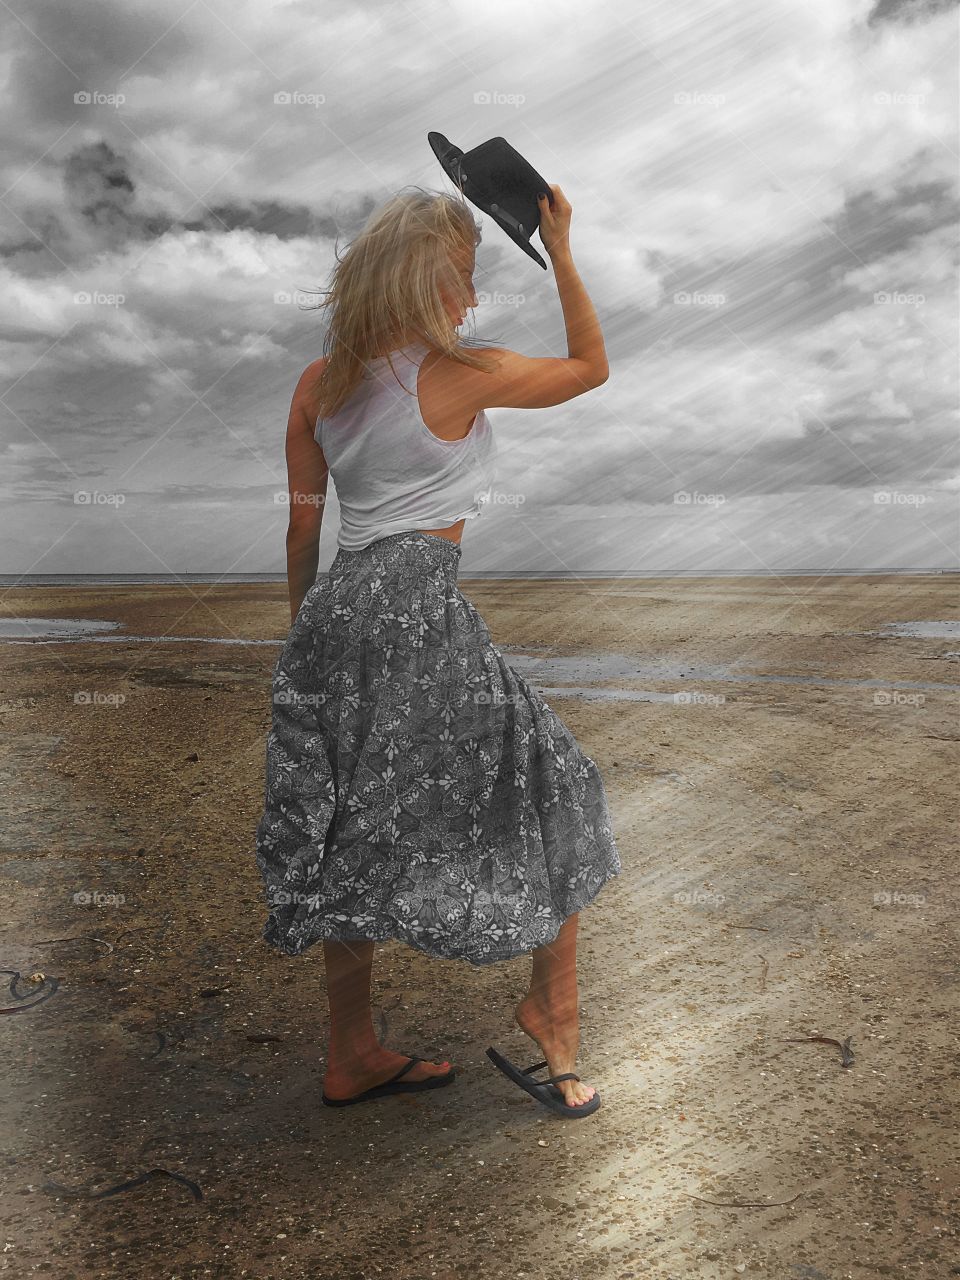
x,y
524,382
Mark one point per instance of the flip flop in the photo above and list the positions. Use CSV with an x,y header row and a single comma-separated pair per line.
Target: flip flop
x,y
544,1091
393,1085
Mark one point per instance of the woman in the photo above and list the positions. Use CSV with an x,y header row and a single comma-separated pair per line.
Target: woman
x,y
417,788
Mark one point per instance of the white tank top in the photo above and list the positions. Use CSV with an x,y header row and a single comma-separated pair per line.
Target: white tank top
x,y
390,471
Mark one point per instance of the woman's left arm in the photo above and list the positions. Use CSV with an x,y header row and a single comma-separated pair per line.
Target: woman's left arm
x,y
307,476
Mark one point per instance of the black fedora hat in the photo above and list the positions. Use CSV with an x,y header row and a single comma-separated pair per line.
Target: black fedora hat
x,y
496,178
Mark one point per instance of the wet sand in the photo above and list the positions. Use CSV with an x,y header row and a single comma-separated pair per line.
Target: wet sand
x,y
782,779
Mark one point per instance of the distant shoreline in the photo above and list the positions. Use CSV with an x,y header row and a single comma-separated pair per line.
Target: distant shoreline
x,y
168,579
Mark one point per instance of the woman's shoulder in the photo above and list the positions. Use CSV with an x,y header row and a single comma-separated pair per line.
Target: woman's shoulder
x,y
304,394
453,367
308,378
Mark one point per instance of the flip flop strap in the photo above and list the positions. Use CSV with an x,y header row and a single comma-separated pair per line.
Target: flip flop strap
x,y
403,1070
568,1075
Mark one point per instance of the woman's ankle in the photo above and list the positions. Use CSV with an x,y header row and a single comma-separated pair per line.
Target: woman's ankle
x,y
552,1002
344,1048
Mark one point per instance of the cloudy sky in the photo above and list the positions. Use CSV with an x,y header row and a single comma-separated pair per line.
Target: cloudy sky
x,y
765,215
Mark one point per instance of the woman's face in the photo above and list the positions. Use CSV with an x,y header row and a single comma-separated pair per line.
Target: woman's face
x,y
465,262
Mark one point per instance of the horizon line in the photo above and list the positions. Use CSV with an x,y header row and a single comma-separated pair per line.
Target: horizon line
x,y
213,577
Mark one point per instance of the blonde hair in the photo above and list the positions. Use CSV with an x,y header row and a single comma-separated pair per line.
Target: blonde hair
x,y
388,284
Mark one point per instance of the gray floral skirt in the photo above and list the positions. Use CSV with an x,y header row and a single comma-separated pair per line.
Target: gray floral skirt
x,y
417,787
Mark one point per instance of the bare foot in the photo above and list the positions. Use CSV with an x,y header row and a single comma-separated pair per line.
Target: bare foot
x,y
557,1033
344,1079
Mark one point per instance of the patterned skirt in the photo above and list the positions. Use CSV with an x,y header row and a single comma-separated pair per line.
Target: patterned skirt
x,y
417,788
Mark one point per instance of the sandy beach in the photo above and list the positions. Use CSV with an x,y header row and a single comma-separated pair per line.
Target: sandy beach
x,y
782,774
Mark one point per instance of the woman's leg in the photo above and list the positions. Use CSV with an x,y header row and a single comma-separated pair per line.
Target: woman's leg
x,y
349,968
355,1058
549,1012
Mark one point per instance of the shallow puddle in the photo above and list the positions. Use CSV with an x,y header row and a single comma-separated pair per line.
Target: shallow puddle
x,y
65,630
616,666
29,629
532,662
938,629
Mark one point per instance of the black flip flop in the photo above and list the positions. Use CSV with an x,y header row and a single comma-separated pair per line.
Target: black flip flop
x,y
393,1085
544,1091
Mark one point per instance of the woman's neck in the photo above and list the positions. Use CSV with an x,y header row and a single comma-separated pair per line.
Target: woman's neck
x,y
398,345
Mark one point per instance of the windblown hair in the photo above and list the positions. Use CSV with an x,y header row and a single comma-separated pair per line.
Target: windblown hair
x,y
388,283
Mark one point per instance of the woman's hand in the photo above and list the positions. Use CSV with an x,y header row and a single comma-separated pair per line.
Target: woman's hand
x,y
555,213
